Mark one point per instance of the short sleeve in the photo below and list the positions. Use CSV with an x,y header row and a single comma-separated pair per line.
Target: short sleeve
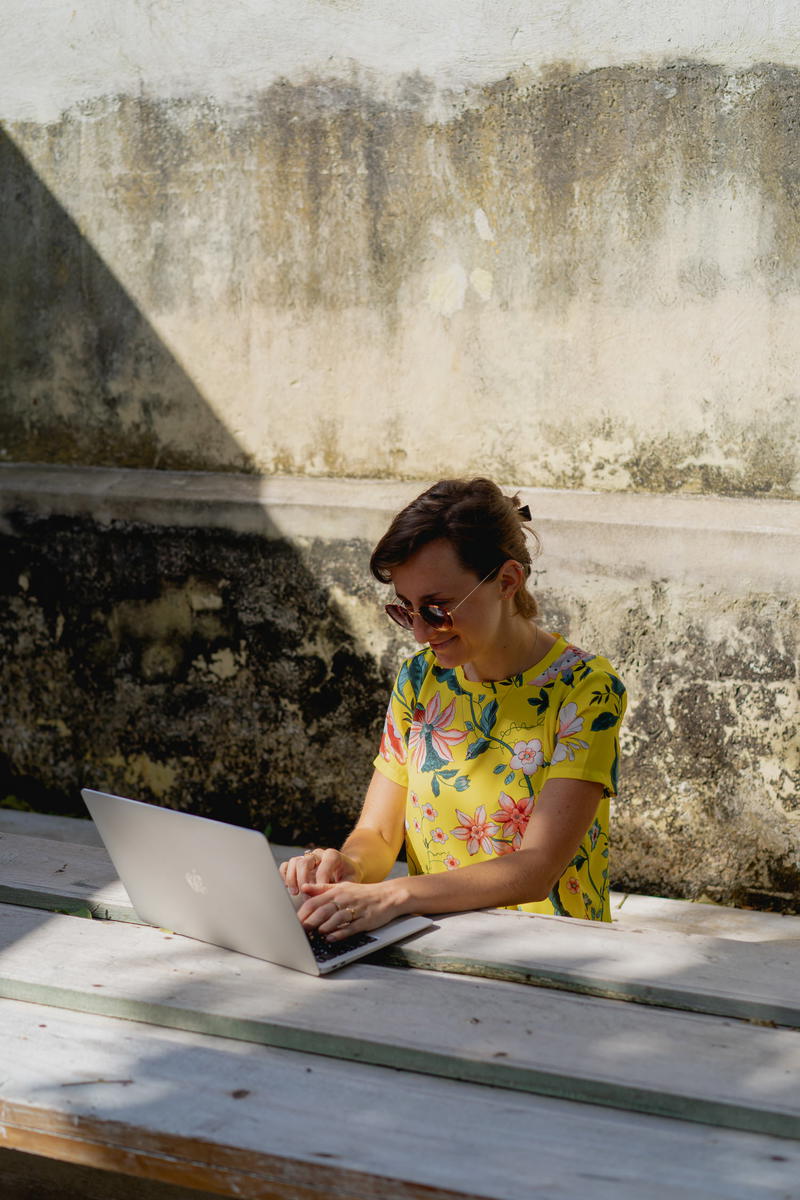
x,y
392,757
587,734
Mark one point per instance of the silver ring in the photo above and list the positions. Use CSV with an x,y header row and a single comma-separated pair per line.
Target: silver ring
x,y
307,852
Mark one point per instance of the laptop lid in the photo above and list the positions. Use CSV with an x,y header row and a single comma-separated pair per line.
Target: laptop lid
x,y
216,882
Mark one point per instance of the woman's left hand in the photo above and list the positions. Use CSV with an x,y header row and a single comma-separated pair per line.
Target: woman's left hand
x,y
337,910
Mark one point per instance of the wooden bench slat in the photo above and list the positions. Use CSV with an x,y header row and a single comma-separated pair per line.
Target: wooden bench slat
x,y
685,971
315,1127
530,1039
732,978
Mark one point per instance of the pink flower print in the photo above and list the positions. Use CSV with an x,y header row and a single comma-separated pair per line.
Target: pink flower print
x,y
569,723
503,847
393,744
439,835
429,812
414,800
417,826
476,831
451,862
528,756
513,816
429,725
573,886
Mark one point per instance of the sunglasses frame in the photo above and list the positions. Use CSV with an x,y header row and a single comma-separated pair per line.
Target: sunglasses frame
x,y
404,617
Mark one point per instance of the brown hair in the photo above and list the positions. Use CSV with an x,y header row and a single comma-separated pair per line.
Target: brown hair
x,y
484,526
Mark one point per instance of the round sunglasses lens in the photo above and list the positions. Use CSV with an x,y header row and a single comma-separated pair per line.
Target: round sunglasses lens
x,y
436,617
400,615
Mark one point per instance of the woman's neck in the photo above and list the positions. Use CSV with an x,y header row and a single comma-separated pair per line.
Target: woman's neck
x,y
524,645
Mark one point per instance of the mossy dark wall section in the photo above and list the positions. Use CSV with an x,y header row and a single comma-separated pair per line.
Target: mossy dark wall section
x,y
205,670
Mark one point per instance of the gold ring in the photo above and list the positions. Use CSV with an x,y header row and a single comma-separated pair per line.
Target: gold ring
x,y
352,912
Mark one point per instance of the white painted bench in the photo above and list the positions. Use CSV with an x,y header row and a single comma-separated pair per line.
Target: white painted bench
x,y
111,1027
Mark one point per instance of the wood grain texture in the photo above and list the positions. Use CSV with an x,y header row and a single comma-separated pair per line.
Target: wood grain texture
x,y
734,977
253,1121
694,1067
728,978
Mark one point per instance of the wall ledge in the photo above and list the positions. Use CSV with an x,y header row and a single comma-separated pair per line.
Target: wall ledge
x,y
739,545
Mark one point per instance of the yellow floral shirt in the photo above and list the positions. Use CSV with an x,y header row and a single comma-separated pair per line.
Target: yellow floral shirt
x,y
473,757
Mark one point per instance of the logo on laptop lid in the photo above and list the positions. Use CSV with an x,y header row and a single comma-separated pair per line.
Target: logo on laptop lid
x,y
195,881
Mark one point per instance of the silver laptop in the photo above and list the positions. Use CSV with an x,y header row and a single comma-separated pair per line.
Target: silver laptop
x,y
219,883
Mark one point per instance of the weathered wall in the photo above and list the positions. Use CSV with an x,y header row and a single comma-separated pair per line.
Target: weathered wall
x,y
219,645
476,241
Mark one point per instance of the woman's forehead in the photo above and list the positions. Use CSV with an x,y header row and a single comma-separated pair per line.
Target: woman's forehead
x,y
433,568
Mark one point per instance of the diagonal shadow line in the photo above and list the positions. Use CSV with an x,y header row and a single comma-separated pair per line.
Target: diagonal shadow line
x,y
84,376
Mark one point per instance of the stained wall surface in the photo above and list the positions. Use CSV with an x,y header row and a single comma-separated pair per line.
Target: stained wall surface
x,y
345,239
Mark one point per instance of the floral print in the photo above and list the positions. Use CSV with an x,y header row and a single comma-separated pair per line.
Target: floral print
x,y
528,756
568,725
476,831
513,816
430,738
474,757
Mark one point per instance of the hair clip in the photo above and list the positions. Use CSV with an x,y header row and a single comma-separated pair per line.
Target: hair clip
x,y
524,512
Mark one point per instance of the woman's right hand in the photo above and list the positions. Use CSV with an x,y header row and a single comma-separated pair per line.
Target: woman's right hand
x,y
318,866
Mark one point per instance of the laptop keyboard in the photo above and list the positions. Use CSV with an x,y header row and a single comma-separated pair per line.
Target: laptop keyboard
x,y
324,951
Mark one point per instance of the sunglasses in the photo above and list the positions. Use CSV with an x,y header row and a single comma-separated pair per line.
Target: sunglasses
x,y
434,615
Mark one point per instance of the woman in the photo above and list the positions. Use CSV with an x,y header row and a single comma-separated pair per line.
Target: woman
x,y
500,746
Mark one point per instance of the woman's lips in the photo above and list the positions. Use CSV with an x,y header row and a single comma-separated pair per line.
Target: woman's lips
x,y
440,645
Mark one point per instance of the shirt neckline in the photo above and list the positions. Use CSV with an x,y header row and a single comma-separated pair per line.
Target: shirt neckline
x,y
473,685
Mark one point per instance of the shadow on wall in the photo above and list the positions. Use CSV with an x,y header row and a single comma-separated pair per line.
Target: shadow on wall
x,y
191,667
197,668
84,376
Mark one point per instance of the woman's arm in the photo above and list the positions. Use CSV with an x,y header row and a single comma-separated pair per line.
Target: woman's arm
x,y
564,811
368,854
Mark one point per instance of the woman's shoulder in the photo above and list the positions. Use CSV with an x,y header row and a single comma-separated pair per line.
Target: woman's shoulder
x,y
570,665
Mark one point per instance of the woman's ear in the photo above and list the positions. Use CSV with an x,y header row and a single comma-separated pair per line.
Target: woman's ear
x,y
512,577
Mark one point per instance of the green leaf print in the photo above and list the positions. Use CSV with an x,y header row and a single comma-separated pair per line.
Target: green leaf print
x,y
541,702
555,900
509,778
447,675
605,720
462,783
477,748
615,772
498,770
417,670
617,685
488,717
435,786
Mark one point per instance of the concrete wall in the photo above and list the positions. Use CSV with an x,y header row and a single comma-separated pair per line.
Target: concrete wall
x,y
555,243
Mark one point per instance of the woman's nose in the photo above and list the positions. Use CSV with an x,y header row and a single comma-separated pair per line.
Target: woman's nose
x,y
420,629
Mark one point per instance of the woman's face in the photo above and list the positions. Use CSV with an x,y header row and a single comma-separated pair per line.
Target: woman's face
x,y
434,575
